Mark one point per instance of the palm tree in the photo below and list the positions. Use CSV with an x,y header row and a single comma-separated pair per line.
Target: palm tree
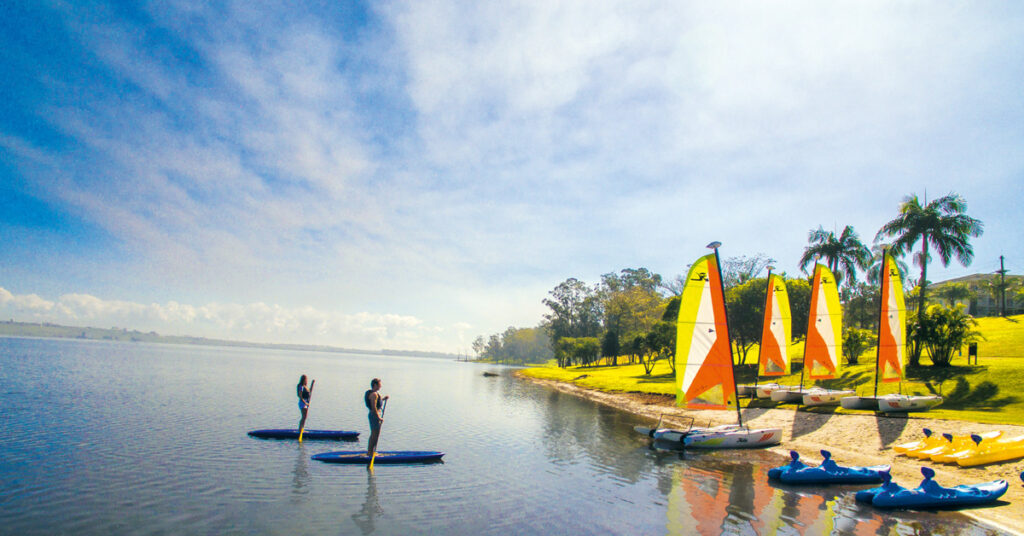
x,y
941,225
877,259
843,255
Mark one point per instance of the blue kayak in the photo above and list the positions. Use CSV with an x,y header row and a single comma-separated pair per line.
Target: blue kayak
x,y
797,472
383,457
931,495
307,434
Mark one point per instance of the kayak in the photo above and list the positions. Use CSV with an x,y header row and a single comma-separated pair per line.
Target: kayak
x,y
383,457
965,446
929,441
797,472
306,434
986,452
931,495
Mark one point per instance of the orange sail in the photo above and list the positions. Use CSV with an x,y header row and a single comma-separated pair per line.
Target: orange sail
x,y
892,324
823,346
775,332
704,377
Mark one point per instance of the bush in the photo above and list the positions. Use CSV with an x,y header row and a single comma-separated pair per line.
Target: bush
x,y
944,330
855,342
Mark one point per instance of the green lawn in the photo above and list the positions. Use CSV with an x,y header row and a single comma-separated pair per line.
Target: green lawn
x,y
991,391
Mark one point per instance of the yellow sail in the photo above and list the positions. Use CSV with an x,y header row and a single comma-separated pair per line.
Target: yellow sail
x,y
892,324
823,347
776,330
704,377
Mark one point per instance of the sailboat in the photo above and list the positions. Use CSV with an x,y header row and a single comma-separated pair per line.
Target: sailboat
x,y
891,350
704,363
822,345
772,356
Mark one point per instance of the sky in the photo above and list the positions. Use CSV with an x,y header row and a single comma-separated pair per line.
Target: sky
x,y
414,174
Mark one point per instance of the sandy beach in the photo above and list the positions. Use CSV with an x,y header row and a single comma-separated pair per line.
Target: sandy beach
x,y
853,440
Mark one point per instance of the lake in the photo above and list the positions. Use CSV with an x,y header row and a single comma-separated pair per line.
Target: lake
x,y
131,438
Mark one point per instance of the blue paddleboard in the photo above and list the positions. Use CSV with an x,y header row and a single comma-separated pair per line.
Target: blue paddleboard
x,y
307,434
385,457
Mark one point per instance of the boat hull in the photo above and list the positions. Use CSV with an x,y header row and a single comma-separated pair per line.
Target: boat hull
x,y
825,397
732,439
903,404
787,395
940,497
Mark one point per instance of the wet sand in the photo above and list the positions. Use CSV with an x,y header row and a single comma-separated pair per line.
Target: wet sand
x,y
862,439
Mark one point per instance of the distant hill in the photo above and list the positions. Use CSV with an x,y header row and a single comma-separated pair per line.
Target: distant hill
x,y
26,329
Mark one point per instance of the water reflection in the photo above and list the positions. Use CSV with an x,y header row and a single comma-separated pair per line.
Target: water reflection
x,y
300,474
366,517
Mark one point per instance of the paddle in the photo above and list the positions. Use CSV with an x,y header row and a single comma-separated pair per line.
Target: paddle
x,y
308,402
383,408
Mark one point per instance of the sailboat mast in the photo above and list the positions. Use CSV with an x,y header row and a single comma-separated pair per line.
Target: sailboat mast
x,y
760,343
728,328
881,291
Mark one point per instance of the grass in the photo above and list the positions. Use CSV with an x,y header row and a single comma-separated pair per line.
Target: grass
x,y
991,391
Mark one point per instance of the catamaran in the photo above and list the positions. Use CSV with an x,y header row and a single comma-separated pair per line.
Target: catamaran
x,y
891,350
704,363
772,356
822,345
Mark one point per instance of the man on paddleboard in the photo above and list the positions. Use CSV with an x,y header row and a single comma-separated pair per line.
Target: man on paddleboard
x,y
374,402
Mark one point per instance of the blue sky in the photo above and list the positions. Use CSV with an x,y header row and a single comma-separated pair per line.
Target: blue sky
x,y
410,175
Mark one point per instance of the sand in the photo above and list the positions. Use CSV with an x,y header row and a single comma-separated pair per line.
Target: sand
x,y
862,439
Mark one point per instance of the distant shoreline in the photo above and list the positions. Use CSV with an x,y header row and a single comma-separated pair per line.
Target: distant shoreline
x,y
10,328
852,439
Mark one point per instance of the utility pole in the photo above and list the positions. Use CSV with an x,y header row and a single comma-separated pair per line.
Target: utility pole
x,y
1002,287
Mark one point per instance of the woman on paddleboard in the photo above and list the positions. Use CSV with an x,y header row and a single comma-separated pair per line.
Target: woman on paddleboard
x,y
374,402
303,394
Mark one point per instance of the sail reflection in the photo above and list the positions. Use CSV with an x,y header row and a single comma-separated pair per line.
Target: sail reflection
x,y
736,498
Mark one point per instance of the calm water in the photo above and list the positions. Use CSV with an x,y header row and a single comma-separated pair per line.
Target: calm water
x,y
114,438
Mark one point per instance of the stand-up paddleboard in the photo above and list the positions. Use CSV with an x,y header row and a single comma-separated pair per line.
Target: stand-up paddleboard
x,y
307,434
385,457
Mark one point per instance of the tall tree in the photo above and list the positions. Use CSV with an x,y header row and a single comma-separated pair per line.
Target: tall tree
x,y
575,311
631,301
738,270
941,225
843,254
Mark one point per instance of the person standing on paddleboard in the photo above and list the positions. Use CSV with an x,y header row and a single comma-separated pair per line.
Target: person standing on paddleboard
x,y
303,394
374,402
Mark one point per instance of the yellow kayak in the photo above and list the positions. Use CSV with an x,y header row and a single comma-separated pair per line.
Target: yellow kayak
x,y
966,447
927,442
996,451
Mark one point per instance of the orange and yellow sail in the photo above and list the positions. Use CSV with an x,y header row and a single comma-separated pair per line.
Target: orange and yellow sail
x,y
776,330
892,325
704,377
823,348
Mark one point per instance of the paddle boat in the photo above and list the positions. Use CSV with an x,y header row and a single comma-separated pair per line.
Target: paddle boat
x,y
929,441
999,450
359,457
797,472
930,494
961,446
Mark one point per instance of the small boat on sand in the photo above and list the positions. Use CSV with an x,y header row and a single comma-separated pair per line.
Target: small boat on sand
x,y
891,350
773,350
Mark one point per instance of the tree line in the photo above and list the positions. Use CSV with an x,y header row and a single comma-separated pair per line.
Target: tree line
x,y
629,316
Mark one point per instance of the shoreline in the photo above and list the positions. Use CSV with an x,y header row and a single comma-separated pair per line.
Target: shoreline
x,y
853,440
